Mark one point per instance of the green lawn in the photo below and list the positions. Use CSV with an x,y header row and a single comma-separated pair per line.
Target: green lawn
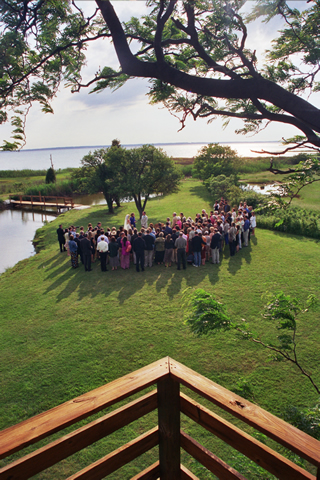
x,y
64,332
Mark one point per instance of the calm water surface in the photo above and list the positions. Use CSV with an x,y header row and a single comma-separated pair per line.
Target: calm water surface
x,y
21,226
71,156
17,232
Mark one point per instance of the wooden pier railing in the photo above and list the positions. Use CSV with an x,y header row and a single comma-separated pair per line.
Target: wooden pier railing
x,y
44,201
167,375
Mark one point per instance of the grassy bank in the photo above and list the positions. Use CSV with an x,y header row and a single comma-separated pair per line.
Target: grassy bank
x,y
65,332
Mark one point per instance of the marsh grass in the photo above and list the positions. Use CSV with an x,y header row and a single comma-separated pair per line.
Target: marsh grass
x,y
19,181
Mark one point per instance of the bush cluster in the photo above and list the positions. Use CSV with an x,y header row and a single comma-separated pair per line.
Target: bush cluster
x,y
295,220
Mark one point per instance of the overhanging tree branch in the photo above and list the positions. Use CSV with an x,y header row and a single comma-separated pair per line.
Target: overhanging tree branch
x,y
260,88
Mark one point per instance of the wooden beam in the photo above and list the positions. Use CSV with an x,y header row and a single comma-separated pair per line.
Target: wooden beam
x,y
32,430
150,473
169,428
264,456
116,459
62,448
213,463
272,426
186,474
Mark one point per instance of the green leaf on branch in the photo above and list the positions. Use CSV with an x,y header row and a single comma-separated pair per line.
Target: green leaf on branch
x,y
205,314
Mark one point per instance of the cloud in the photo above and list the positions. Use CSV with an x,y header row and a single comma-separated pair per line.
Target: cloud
x,y
132,93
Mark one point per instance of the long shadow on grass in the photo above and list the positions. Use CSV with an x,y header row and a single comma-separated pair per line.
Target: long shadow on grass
x,y
201,192
53,262
235,262
128,283
98,283
65,276
253,239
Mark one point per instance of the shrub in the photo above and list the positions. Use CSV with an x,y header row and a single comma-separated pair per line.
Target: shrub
x,y
50,176
292,220
187,170
219,186
252,198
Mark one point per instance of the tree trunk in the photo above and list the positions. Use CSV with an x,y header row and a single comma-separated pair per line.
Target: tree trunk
x,y
137,201
109,201
117,200
146,198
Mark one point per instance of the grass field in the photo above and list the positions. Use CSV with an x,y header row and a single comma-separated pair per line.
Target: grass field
x,y
65,332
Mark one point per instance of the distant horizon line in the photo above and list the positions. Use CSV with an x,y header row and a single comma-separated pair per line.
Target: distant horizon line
x,y
138,144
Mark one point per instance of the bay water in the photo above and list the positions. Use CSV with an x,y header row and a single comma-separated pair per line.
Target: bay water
x,y
71,156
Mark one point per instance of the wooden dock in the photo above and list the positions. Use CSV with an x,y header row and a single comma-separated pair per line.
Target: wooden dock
x,y
40,202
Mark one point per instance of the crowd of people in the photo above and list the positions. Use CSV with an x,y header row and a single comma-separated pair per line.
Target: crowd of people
x,y
179,240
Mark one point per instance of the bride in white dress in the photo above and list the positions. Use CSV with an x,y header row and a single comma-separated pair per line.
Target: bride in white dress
x,y
126,224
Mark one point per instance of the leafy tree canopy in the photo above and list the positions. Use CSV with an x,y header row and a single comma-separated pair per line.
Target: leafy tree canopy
x,y
148,170
101,172
194,53
214,160
135,173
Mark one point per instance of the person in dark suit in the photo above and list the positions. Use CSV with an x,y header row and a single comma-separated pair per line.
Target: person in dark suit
x,y
139,246
196,244
86,249
61,239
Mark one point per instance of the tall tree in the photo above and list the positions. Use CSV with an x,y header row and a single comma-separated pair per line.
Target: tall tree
x,y
195,54
147,171
136,173
214,160
101,172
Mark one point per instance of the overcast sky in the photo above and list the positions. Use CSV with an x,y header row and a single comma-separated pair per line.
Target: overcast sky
x,y
96,119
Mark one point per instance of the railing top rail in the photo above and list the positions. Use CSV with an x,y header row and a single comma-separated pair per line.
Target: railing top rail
x,y
68,199
40,426
275,428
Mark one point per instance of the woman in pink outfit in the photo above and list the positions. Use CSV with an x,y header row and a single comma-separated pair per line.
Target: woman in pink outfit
x,y
125,253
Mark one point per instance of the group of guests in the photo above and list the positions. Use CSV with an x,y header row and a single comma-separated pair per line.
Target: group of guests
x,y
178,240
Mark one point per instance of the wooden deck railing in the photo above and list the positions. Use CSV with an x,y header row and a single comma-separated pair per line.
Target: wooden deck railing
x,y
167,374
42,200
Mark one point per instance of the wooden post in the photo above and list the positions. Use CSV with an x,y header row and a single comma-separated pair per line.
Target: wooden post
x,y
169,428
